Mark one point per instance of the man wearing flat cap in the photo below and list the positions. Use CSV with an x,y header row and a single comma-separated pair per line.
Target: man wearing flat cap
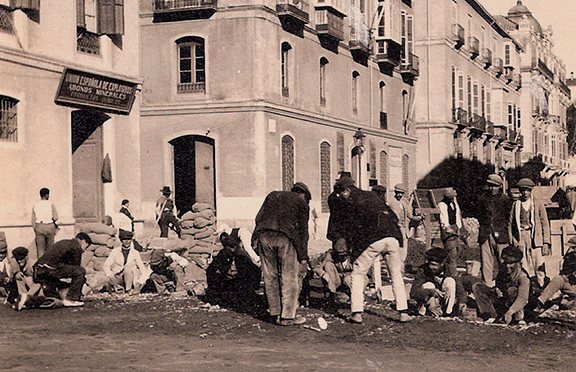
x,y
451,229
405,212
529,228
166,213
281,239
494,216
506,300
124,267
372,230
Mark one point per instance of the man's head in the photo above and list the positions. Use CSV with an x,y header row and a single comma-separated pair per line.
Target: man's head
x,y
511,258
20,255
126,203
449,194
436,258
343,186
380,190
44,193
157,257
494,183
302,189
399,191
3,251
525,185
84,240
166,191
125,238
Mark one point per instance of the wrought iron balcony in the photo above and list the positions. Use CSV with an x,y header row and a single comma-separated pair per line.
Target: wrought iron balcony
x,y
517,81
498,67
564,88
388,54
182,10
478,123
409,68
501,132
359,51
486,58
508,74
329,25
473,46
458,35
537,63
294,10
460,117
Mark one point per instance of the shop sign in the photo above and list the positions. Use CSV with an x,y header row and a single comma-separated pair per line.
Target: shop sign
x,y
87,90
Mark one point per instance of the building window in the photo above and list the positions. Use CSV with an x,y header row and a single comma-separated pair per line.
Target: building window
x,y
8,119
475,99
382,22
325,182
372,163
286,47
469,90
510,116
406,170
488,105
323,63
6,20
409,36
355,75
95,18
518,118
191,65
403,37
340,151
287,163
453,90
507,56
483,101
461,91
384,168
383,114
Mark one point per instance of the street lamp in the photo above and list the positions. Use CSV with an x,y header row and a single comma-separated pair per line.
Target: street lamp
x,y
358,150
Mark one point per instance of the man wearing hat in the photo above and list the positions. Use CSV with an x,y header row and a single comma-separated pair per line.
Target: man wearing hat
x,y
167,271
506,300
166,213
372,230
451,229
529,228
23,273
124,267
5,268
337,223
403,209
565,283
432,289
281,239
493,215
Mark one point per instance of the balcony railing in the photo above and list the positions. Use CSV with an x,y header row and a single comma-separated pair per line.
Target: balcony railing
x,y
293,10
460,117
543,68
486,58
517,81
458,35
383,120
329,25
180,10
501,132
508,74
478,123
498,67
337,7
474,46
191,87
410,66
388,53
564,88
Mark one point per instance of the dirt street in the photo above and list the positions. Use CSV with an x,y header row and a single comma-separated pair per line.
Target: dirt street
x,y
160,333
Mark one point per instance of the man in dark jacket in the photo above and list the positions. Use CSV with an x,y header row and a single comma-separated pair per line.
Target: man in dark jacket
x,y
493,216
372,229
63,261
281,240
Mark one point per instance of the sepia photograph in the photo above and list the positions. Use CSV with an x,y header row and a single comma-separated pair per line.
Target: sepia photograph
x,y
287,185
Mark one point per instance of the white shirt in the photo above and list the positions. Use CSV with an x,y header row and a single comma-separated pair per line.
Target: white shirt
x,y
44,211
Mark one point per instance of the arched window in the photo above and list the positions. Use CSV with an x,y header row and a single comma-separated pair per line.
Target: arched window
x,y
325,184
191,65
323,63
287,162
384,168
286,48
383,114
8,119
355,75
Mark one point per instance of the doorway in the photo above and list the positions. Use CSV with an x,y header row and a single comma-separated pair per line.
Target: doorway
x,y
194,172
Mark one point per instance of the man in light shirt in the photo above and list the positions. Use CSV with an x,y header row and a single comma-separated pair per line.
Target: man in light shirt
x,y
451,229
44,217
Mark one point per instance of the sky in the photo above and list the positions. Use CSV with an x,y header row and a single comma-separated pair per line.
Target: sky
x,y
561,14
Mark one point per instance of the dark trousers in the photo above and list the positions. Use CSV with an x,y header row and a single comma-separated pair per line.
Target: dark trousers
x,y
490,305
167,219
50,281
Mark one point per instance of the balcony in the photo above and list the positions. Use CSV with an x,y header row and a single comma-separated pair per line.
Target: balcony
x,y
473,47
460,117
383,120
388,55
555,119
359,51
498,67
191,88
409,68
293,15
458,35
330,28
508,74
183,10
517,82
337,7
501,132
478,123
564,88
537,63
486,58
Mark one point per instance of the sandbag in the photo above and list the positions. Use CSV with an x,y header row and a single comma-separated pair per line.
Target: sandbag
x,y
201,222
187,224
202,260
188,216
199,207
96,227
102,251
98,238
206,233
98,263
185,243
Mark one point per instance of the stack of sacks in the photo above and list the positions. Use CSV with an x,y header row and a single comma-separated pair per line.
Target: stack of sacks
x,y
200,224
103,240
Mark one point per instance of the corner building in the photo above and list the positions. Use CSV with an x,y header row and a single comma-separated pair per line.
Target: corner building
x,y
68,100
244,97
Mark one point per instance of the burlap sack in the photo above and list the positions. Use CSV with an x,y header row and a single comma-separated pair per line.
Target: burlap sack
x,y
199,207
96,227
200,222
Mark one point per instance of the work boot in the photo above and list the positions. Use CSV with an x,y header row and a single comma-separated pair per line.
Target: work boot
x,y
298,320
355,318
72,303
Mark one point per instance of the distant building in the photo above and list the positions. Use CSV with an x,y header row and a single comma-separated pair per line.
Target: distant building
x,y
68,98
244,97
468,103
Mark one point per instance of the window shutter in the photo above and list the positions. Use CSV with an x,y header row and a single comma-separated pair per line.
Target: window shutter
x,y
111,17
80,12
119,17
25,4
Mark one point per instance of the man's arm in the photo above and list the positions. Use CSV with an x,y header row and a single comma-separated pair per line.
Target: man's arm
x,y
54,213
522,298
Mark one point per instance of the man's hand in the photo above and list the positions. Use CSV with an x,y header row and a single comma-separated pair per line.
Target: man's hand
x,y
546,249
19,275
507,318
498,292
